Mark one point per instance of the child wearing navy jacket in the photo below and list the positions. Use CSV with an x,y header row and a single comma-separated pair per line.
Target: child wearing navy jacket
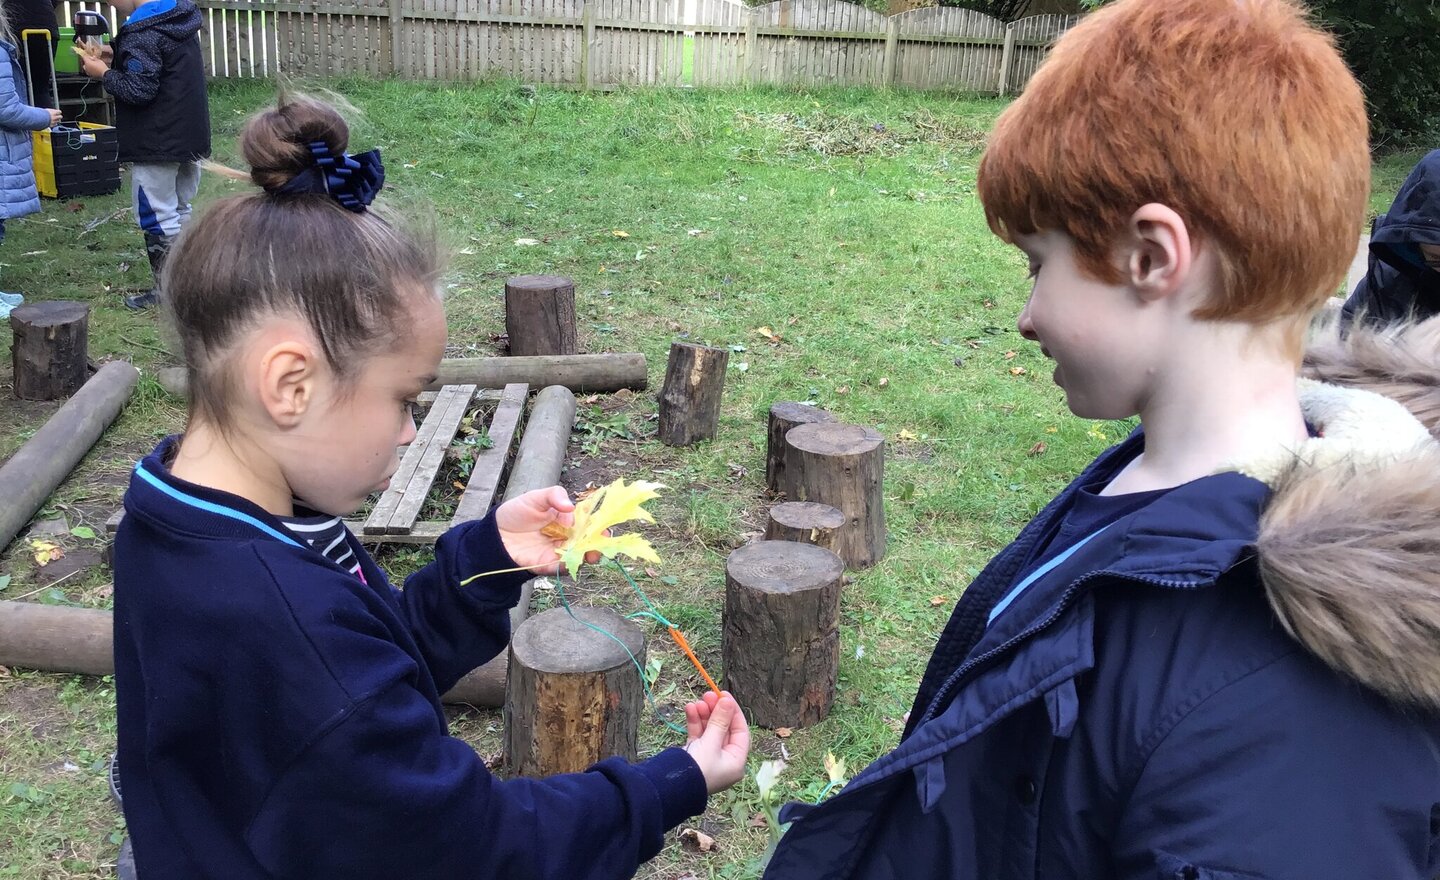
x,y
279,702
1216,654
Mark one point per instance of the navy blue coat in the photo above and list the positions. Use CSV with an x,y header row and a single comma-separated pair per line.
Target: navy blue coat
x,y
158,81
1398,283
1139,712
280,717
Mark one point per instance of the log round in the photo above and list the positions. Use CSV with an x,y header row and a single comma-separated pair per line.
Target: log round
x,y
690,397
540,315
42,464
784,416
589,373
842,466
575,697
805,522
49,352
781,641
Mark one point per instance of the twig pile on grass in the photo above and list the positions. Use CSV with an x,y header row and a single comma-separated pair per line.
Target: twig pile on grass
x,y
832,134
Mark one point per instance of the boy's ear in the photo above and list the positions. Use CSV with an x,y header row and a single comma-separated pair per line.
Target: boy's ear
x,y
1160,252
288,373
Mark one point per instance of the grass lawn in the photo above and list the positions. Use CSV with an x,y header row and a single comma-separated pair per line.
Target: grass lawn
x,y
831,240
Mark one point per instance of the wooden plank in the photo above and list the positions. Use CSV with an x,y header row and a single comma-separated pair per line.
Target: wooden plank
x,y
489,464
385,508
432,457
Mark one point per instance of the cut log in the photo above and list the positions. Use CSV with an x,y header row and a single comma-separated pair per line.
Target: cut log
x,y
783,417
842,466
590,373
43,463
782,637
540,315
50,349
690,398
804,522
56,638
575,697
541,455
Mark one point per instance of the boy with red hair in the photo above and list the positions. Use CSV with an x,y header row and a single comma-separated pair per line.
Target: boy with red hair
x,y
1217,653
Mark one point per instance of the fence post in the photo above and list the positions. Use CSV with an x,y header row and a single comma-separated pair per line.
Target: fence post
x,y
750,50
397,22
1007,55
892,43
587,40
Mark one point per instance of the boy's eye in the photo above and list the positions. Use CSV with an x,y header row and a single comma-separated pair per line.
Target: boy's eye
x,y
1034,271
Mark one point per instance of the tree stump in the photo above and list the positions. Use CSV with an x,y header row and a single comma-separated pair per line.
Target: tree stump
x,y
690,398
842,466
49,354
540,315
782,637
783,417
574,697
804,522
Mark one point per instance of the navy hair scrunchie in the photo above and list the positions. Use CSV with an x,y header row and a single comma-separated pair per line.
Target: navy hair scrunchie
x,y
353,181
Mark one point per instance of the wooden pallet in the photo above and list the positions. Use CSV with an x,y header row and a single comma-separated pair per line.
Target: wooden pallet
x,y
395,518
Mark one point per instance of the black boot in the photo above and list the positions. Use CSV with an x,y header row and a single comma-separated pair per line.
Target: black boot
x,y
157,247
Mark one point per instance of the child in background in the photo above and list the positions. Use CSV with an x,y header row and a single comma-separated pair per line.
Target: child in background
x,y
17,119
1403,281
278,701
1216,654
162,115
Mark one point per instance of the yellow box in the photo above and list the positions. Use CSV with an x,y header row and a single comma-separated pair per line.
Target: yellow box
x,y
77,163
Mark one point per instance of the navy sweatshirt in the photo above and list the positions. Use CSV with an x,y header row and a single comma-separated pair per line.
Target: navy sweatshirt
x,y
280,717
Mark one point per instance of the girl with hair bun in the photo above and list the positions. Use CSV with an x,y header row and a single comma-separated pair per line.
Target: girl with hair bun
x,y
278,701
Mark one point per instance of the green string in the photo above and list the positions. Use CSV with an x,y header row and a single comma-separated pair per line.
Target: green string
x,y
649,697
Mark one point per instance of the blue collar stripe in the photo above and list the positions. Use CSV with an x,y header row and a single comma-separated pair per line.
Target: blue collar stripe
x,y
1040,572
211,507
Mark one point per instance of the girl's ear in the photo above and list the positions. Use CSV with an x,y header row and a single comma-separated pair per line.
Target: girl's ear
x,y
1160,252
288,374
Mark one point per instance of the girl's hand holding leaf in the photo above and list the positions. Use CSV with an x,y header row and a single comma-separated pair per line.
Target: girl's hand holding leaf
x,y
523,522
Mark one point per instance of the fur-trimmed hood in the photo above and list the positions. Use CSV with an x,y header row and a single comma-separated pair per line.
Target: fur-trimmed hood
x,y
1349,543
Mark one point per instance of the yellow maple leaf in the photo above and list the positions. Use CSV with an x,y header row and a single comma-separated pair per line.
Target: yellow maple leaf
x,y
45,552
609,506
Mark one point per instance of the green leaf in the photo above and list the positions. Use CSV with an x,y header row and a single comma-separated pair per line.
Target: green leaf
x,y
83,532
54,596
4,581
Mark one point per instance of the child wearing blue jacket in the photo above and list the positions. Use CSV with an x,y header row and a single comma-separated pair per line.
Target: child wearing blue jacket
x,y
1216,654
18,119
278,701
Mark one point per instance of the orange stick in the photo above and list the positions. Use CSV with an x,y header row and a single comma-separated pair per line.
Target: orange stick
x,y
685,646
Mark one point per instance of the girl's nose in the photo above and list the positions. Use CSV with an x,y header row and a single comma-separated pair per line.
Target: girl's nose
x,y
407,432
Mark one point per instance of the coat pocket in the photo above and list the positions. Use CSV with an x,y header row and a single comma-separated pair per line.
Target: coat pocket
x,y
1176,868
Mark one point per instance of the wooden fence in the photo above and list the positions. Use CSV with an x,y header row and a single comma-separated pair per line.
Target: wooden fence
x,y
608,43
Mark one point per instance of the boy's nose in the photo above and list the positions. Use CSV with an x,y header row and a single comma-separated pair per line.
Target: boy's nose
x,y
1025,325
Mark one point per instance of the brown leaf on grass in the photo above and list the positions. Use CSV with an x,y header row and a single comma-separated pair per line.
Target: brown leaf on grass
x,y
973,343
989,304
695,840
906,434
938,600
769,334
783,732
1009,355
458,485
1017,371
757,820
884,381
45,552
843,389
652,572
792,321
1037,449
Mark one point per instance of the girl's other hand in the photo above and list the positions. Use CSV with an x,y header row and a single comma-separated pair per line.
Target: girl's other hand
x,y
521,520
54,117
718,738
